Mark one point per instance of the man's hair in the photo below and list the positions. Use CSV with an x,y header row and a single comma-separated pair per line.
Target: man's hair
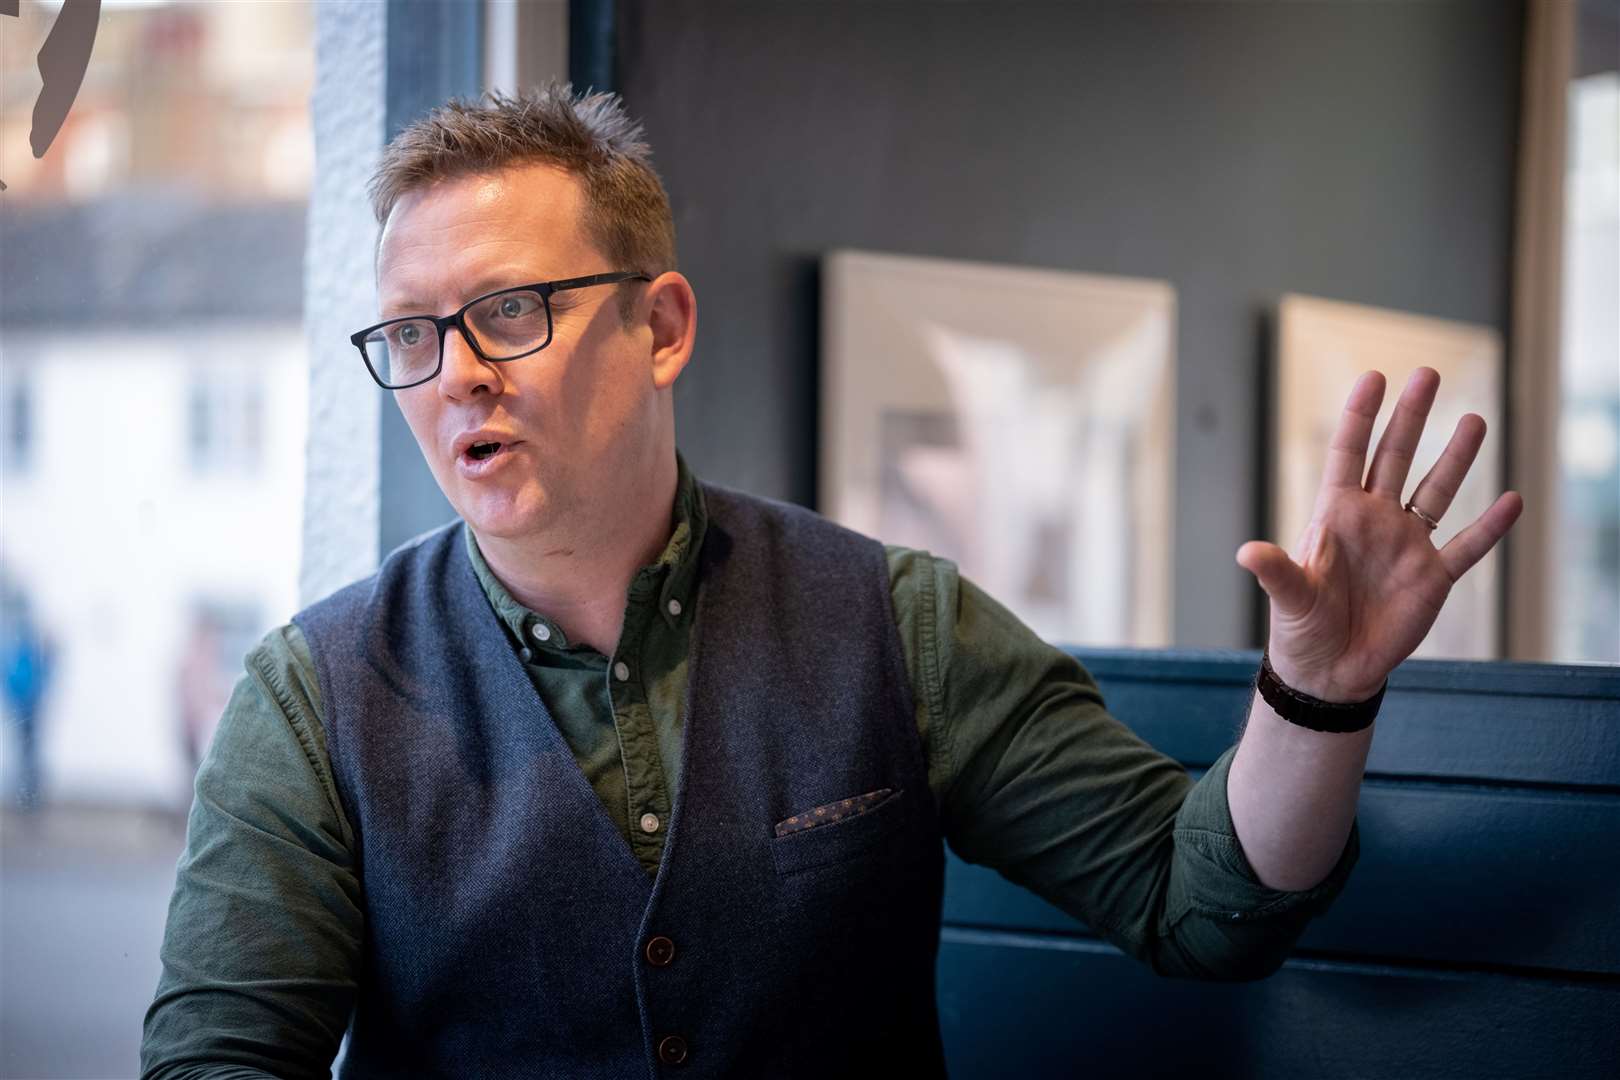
x,y
590,135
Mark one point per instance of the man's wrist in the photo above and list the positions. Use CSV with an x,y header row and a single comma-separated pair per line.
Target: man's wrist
x,y
1316,684
1300,707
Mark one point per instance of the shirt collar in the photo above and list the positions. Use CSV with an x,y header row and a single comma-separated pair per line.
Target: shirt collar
x,y
676,565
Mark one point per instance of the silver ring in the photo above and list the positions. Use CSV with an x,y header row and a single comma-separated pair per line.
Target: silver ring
x,y
1425,518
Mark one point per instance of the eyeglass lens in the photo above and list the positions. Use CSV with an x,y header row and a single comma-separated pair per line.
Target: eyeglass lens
x,y
505,326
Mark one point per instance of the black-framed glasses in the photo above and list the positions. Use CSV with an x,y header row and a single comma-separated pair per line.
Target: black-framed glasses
x,y
507,324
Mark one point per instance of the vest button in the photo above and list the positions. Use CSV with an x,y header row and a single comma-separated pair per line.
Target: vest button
x,y
660,952
672,1050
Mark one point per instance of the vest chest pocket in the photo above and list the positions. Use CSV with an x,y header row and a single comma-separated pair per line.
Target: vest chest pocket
x,y
836,831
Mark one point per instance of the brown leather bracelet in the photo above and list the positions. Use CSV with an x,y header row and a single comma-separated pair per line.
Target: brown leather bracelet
x,y
1333,717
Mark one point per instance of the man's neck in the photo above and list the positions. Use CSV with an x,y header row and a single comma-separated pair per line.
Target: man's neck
x,y
581,582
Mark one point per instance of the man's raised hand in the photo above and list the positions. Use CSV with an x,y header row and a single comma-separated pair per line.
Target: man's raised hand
x,y
1365,582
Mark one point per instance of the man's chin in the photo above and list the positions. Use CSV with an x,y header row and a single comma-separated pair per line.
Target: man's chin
x,y
505,517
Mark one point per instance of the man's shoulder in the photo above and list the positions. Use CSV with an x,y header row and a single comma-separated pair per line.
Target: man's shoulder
x,y
733,509
911,570
380,588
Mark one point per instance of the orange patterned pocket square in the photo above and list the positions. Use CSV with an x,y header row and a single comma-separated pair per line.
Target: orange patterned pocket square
x,y
833,811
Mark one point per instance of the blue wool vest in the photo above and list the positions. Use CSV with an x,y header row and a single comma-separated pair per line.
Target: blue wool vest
x,y
510,932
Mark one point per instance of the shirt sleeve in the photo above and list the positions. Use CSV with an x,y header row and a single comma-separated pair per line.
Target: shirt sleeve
x,y
262,948
1034,778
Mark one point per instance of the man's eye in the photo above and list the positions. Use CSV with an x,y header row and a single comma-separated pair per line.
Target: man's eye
x,y
515,307
409,335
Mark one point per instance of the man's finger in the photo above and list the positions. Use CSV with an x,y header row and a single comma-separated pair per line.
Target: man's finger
x,y
1347,452
1393,459
1435,491
1470,545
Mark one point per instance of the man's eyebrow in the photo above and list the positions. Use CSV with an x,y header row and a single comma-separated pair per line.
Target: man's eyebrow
x,y
488,283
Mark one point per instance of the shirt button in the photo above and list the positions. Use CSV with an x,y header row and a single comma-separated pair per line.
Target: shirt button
x,y
541,632
649,823
526,653
621,671
674,607
672,1050
660,952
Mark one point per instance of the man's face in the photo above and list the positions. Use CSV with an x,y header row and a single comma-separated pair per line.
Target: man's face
x,y
575,419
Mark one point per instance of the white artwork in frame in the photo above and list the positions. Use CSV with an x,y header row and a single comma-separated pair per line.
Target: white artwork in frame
x,y
1322,347
1017,421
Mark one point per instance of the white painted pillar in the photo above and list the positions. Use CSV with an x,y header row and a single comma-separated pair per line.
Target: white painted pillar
x,y
341,504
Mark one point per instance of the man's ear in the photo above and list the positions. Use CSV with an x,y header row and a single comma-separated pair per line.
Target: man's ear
x,y
671,308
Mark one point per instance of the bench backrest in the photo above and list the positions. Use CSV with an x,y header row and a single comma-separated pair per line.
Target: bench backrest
x,y
1479,934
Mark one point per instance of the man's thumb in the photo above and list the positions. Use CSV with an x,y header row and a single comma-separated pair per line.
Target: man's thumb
x,y
1282,579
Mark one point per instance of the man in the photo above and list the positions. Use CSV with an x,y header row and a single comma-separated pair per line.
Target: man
x,y
632,774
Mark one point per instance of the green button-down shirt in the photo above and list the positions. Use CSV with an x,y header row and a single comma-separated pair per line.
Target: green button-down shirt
x,y
1031,775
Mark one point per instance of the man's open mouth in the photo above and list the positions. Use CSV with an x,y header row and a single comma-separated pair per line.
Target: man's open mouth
x,y
482,451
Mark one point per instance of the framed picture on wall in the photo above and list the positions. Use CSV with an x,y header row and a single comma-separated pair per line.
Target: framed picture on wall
x,y
1322,346
1015,420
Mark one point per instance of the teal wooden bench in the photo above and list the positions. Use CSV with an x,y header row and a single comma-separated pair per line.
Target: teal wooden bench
x,y
1479,935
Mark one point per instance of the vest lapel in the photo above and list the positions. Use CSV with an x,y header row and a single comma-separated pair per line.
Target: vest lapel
x,y
496,664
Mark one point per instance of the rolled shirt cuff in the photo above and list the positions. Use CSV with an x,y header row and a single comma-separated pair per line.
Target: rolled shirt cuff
x,y
1216,877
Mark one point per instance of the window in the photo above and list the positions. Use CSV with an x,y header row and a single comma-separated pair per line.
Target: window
x,y
152,419
1588,537
225,423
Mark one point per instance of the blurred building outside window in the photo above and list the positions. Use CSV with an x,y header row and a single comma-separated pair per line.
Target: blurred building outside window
x,y
226,432
1588,537
155,393
153,415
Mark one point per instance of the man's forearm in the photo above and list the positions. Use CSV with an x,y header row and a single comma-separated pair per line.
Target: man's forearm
x,y
1292,792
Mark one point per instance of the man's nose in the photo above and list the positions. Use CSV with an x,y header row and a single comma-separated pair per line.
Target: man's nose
x,y
465,372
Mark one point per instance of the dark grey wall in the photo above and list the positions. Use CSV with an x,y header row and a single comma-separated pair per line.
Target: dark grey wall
x,y
1597,36
1357,151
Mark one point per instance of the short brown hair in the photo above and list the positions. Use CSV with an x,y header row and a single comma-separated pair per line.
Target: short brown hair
x,y
590,135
